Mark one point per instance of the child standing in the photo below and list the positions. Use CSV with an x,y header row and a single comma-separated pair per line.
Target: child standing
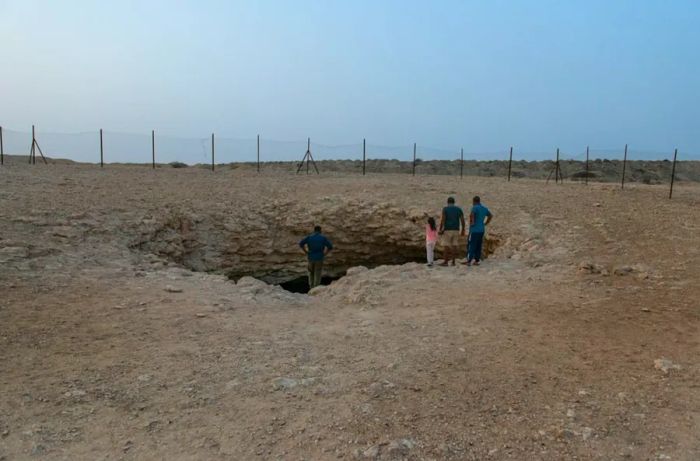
x,y
431,235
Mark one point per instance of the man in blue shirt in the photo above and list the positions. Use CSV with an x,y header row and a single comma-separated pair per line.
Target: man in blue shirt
x,y
316,246
479,218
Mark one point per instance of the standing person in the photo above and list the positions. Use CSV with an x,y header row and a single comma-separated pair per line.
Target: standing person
x,y
479,217
451,227
316,246
431,235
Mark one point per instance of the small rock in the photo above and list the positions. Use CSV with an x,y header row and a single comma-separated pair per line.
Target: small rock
x,y
566,434
400,447
144,378
665,365
200,315
586,433
173,289
371,453
284,383
318,290
622,270
356,270
570,413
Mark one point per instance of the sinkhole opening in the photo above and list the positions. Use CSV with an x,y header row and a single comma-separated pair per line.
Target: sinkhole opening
x,y
301,284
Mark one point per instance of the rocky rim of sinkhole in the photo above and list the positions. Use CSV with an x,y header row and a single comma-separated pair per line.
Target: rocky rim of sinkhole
x,y
264,244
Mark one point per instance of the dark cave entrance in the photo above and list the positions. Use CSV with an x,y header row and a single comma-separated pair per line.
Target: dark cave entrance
x,y
301,283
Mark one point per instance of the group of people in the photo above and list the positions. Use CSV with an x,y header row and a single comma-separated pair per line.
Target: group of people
x,y
452,227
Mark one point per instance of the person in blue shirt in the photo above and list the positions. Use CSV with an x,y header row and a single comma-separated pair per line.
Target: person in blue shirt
x,y
479,218
316,246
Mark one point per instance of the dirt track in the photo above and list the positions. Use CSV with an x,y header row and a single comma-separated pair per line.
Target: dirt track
x,y
547,351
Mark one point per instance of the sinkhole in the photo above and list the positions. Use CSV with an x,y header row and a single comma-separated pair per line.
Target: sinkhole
x,y
266,247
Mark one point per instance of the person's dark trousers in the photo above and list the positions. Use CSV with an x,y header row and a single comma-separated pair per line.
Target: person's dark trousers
x,y
476,240
315,271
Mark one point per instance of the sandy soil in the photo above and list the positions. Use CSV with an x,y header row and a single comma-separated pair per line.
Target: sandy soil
x,y
577,339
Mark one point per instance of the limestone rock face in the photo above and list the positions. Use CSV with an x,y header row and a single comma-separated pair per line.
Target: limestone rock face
x,y
263,242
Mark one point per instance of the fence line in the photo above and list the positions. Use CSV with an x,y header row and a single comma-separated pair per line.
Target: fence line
x,y
559,176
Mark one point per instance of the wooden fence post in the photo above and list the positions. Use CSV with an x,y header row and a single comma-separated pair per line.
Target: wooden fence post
x,y
461,163
258,153
587,167
102,155
673,173
2,151
212,152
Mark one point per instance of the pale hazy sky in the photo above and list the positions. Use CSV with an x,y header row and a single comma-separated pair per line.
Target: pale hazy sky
x,y
479,74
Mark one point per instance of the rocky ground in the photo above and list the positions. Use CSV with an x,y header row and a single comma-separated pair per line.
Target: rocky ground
x,y
130,329
654,172
599,170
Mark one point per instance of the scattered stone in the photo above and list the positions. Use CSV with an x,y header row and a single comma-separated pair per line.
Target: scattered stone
x,y
200,315
144,378
570,413
400,448
646,309
315,291
622,270
356,270
75,393
370,453
586,433
591,268
173,289
665,365
567,434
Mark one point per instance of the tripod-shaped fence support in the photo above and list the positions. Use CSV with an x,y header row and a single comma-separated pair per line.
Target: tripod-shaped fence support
x,y
558,176
308,158
33,149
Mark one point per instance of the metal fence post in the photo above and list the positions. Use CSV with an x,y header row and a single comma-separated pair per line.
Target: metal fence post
x,y
102,155
364,156
2,151
587,167
673,173
212,152
414,159
258,153
624,167
461,163
153,148
510,162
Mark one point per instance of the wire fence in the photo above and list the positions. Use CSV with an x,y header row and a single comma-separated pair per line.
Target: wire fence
x,y
624,164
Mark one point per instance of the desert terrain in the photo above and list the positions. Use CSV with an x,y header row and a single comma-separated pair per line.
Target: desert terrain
x,y
141,317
